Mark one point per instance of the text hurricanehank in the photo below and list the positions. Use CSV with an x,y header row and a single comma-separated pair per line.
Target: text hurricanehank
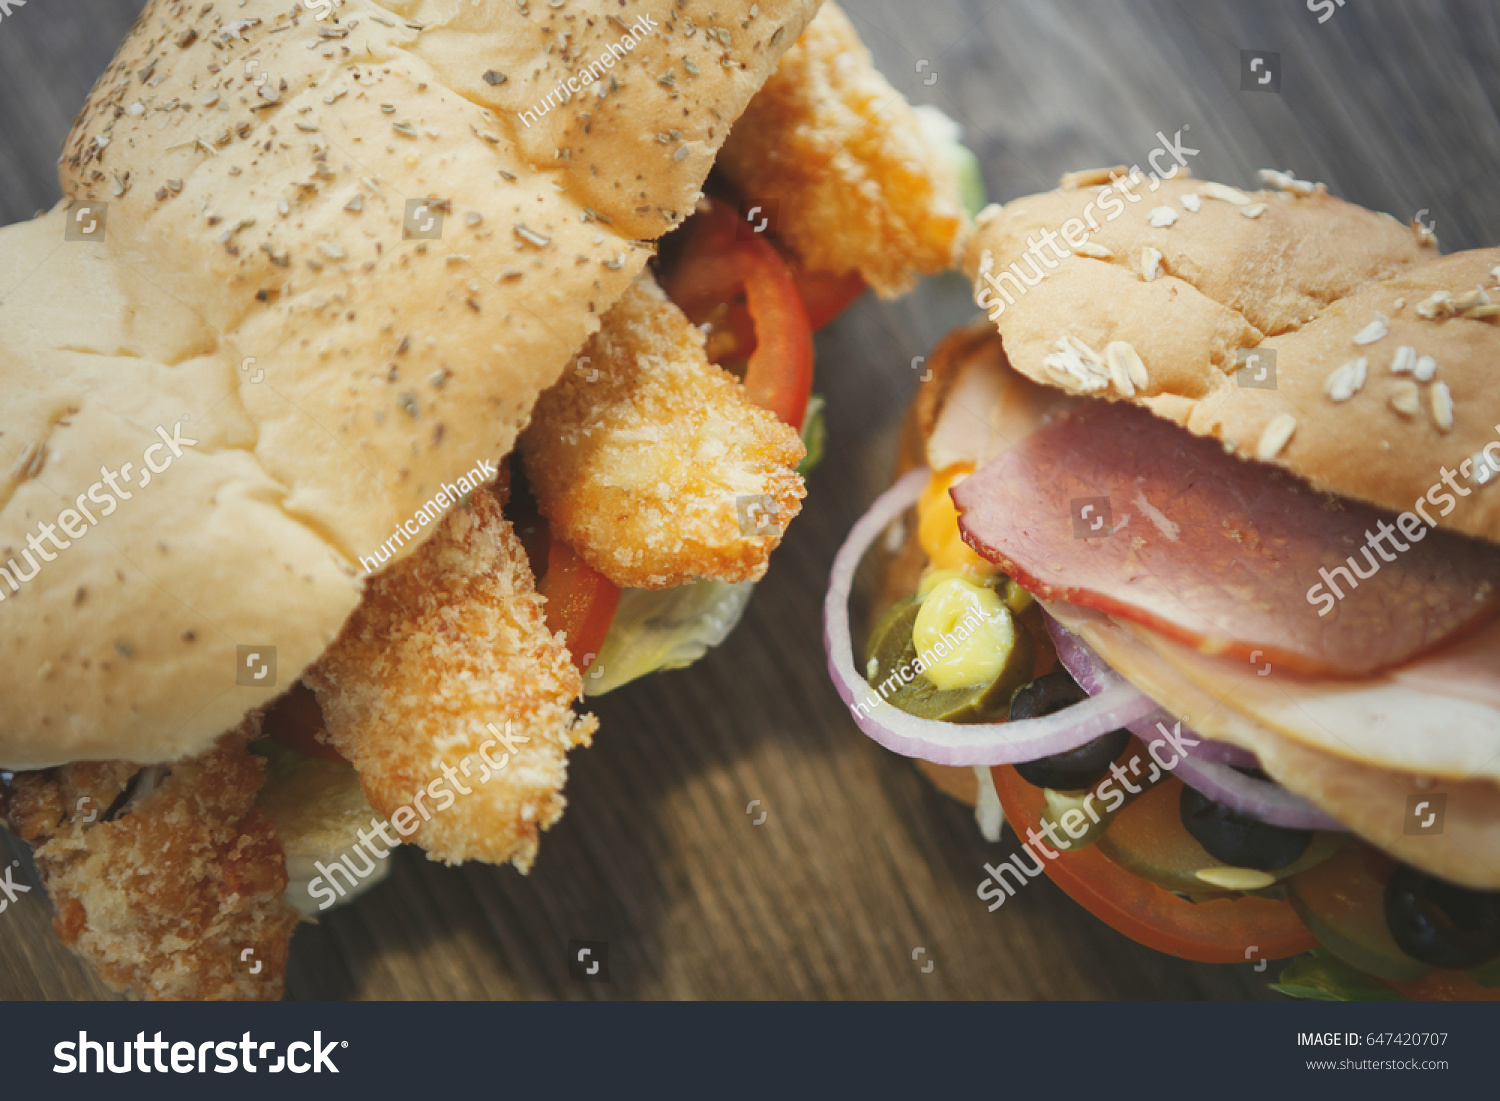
x,y
449,494
570,86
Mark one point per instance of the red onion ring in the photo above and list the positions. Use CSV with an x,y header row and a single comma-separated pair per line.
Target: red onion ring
x,y
1263,800
1222,753
1207,766
944,743
1094,674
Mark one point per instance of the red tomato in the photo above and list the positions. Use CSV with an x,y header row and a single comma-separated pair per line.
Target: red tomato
x,y
295,720
1445,986
824,294
581,602
1216,931
714,273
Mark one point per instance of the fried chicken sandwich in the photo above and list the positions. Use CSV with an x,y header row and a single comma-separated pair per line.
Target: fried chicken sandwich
x,y
356,423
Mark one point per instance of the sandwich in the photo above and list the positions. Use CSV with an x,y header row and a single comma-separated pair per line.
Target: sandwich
x,y
1199,591
381,384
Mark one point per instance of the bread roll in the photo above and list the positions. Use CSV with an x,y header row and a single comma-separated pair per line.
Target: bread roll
x,y
1192,277
266,282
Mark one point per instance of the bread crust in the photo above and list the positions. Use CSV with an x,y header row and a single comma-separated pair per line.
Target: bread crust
x,y
178,895
1302,278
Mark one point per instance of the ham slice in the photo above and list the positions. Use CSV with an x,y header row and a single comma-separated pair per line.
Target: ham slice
x,y
1114,509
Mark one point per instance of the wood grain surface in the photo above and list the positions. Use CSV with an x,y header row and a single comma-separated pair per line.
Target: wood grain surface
x,y
858,862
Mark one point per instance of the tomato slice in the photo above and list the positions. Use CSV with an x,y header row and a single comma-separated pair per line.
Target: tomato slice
x,y
824,294
1445,986
581,602
1216,931
295,720
715,271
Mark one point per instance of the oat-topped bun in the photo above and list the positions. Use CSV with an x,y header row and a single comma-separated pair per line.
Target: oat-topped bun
x,y
1384,351
334,273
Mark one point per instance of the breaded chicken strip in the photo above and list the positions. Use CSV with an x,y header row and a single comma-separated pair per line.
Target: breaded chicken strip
x,y
650,461
859,187
170,883
451,697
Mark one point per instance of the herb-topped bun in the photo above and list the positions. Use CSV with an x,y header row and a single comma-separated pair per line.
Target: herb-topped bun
x,y
335,259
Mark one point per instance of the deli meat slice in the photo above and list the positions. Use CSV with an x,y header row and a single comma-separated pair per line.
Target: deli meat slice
x,y
1112,508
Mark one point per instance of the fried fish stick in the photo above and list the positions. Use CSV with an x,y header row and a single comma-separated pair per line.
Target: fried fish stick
x,y
650,461
165,878
860,188
451,697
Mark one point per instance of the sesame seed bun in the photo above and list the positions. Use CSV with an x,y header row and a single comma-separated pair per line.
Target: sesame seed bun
x,y
1163,302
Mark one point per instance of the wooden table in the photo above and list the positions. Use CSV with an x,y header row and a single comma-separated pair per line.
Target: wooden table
x,y
859,863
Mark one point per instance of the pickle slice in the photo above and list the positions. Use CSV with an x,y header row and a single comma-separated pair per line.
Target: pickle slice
x,y
1147,837
1343,903
892,657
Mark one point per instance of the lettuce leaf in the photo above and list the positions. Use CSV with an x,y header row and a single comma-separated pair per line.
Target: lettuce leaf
x,y
814,435
281,762
1320,976
663,629
1487,974
947,136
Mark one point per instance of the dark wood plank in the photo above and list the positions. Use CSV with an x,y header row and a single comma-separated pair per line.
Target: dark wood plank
x,y
859,862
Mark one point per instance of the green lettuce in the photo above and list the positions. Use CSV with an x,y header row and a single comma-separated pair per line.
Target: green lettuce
x,y
281,762
1320,976
946,136
665,629
814,435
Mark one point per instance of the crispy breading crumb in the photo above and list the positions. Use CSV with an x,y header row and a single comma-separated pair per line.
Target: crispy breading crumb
x,y
645,455
860,188
446,644
180,894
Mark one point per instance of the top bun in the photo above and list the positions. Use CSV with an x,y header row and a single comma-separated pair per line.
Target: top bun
x,y
331,255
1166,301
